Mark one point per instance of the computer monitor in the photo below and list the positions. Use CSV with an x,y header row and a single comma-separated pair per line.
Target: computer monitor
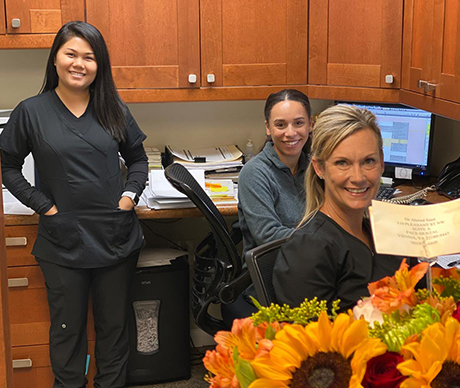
x,y
407,136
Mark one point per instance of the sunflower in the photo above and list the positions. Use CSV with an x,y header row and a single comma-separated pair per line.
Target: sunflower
x,y
435,360
323,354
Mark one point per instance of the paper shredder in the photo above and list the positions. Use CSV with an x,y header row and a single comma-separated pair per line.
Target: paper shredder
x,y
159,325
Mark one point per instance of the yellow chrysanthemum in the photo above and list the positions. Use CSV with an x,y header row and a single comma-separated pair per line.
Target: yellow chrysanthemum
x,y
323,353
435,360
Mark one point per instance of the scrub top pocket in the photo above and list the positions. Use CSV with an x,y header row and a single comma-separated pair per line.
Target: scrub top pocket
x,y
123,225
60,229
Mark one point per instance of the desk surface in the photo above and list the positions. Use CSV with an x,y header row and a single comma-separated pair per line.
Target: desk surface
x,y
227,210
142,212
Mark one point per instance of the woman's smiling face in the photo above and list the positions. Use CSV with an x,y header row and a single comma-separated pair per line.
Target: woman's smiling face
x,y
289,128
352,173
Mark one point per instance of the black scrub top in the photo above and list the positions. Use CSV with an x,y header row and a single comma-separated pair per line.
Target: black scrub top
x,y
322,259
78,169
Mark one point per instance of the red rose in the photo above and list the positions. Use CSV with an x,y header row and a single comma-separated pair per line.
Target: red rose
x,y
381,371
456,313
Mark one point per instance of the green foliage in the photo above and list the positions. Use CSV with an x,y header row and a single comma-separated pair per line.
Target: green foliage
x,y
243,370
452,287
308,311
396,327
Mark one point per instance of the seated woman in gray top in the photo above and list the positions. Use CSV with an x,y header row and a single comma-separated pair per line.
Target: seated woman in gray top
x,y
331,255
271,197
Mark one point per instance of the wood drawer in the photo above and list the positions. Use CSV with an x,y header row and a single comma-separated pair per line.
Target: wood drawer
x,y
32,368
29,313
19,242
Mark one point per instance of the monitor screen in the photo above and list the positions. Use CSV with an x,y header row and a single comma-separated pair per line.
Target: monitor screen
x,y
407,135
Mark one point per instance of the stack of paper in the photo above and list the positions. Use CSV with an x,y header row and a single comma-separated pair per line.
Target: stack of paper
x,y
154,156
160,194
208,159
221,191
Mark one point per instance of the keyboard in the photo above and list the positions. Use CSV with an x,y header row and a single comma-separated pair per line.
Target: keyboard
x,y
385,193
451,190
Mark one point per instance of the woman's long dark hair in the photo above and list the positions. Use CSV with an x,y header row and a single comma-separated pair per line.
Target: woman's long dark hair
x,y
108,106
290,95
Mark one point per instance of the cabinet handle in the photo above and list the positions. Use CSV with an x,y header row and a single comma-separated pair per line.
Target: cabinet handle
x,y
25,363
211,78
18,282
16,23
427,86
16,241
192,78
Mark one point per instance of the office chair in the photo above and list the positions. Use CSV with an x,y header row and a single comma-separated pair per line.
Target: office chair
x,y
260,261
218,275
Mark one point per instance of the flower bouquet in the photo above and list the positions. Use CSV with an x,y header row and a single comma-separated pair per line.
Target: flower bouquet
x,y
398,337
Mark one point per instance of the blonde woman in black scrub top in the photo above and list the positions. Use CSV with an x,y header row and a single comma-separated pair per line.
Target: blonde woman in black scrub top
x,y
89,236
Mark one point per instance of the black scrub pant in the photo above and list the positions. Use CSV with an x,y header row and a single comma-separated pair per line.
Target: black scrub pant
x,y
68,293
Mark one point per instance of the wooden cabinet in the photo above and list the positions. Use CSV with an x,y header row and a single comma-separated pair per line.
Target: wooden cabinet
x,y
355,43
255,42
152,44
29,315
431,63
33,23
32,368
157,44
41,16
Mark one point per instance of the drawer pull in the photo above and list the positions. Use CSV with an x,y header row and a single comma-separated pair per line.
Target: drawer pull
x,y
18,282
16,241
25,363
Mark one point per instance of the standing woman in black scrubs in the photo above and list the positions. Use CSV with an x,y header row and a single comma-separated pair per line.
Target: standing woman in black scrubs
x,y
89,236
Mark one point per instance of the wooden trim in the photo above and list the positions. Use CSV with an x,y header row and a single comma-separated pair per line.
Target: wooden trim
x,y
189,41
255,74
297,42
6,365
27,41
392,11
211,41
257,93
132,77
427,102
2,19
317,55
345,74
408,24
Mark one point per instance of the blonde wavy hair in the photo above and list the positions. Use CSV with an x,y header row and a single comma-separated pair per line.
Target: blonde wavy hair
x,y
332,126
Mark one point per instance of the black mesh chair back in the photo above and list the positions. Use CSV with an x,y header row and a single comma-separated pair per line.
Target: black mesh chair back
x,y
218,276
260,261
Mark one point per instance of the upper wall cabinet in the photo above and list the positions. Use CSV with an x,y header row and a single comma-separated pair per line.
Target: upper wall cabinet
x,y
431,62
355,43
40,16
254,42
153,44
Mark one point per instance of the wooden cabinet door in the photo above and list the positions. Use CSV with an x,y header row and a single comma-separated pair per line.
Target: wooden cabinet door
x,y
152,44
41,16
355,42
431,52
254,42
420,33
447,51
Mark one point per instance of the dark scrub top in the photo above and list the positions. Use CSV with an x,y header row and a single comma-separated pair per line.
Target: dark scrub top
x,y
322,259
78,168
